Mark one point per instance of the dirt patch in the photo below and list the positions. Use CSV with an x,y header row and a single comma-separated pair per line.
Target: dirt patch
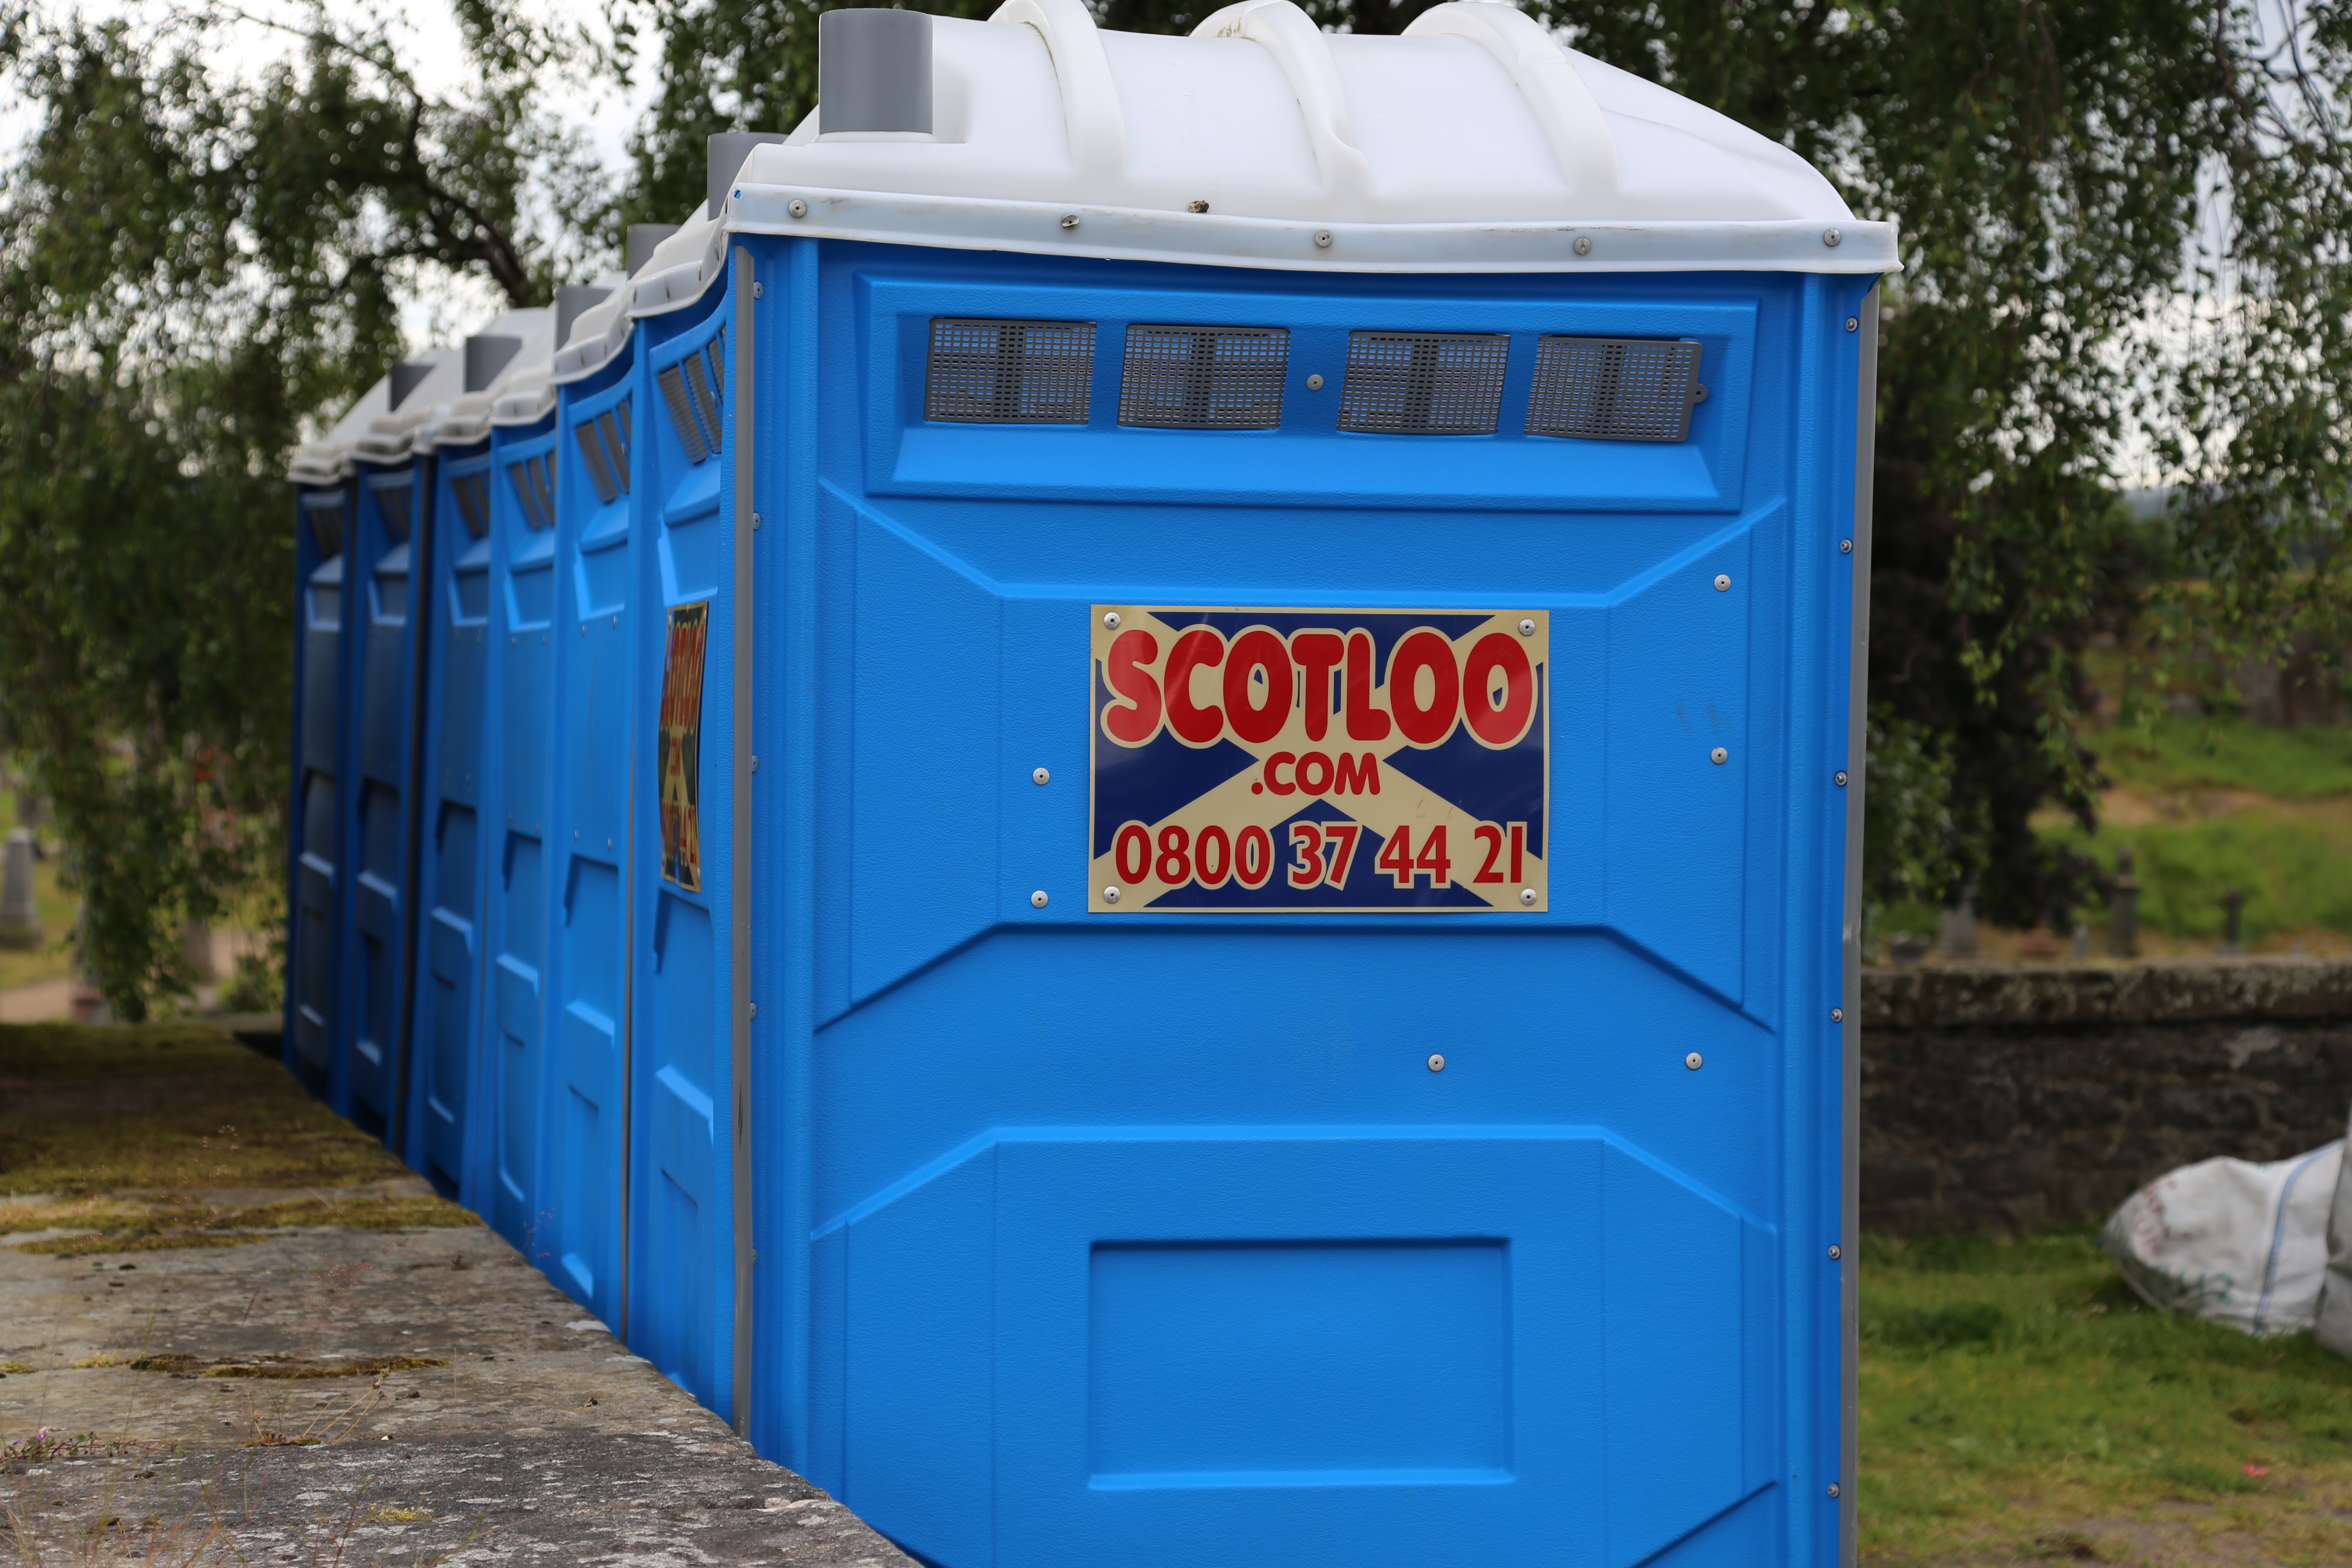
x,y
181,1363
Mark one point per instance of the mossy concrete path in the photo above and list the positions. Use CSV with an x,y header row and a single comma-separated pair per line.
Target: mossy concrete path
x,y
206,1374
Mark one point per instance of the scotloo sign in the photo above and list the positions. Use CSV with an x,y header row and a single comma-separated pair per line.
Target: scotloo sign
x,y
1319,760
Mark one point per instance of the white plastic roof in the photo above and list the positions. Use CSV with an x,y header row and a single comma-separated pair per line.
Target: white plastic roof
x,y
437,411
521,383
1474,141
374,421
597,334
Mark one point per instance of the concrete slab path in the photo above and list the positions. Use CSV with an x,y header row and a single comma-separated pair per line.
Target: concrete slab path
x,y
340,1396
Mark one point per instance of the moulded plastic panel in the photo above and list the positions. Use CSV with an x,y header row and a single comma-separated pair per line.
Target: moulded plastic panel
x,y
596,765
377,803
522,733
322,528
444,1042
682,1306
1154,1237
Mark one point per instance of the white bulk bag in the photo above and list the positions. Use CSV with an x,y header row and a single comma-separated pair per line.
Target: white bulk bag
x,y
2241,1243
2335,1325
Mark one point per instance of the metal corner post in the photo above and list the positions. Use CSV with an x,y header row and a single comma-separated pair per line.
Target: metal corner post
x,y
1857,759
740,892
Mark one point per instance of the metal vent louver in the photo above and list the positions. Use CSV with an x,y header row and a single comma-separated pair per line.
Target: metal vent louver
x,y
1615,389
1010,372
1203,378
690,390
472,493
604,449
393,501
326,510
1424,383
534,484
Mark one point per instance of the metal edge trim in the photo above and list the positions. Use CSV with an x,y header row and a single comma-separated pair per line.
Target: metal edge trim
x,y
1858,757
745,1258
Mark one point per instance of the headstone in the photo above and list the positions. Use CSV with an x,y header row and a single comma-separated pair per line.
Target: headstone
x,y
20,916
1955,930
2122,908
196,947
2233,904
33,812
2081,942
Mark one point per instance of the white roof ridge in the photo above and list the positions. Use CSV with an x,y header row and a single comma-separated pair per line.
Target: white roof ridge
x,y
1507,150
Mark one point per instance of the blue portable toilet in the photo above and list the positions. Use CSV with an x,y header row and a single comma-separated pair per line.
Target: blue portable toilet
x,y
1166,545
440,1139
520,721
586,1160
391,493
684,973
331,596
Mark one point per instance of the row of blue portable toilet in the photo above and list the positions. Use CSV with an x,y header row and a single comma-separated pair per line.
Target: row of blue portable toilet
x,y
1130,806
461,908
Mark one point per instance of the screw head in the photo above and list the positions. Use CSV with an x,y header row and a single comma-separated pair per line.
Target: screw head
x,y
1527,897
1436,1062
1837,1015
1723,582
1110,619
1846,547
1833,1488
1040,775
1110,895
1694,1061
1323,239
1583,244
1836,1251
1841,778
1037,899
1313,384
797,208
1832,238
1526,625
1069,220
1718,756
1854,323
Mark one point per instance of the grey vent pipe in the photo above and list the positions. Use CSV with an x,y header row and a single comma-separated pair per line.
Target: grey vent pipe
x,y
570,302
407,377
872,71
642,240
484,357
728,151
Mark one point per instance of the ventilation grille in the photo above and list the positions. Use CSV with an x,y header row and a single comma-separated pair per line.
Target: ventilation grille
x,y
472,493
604,449
326,511
1010,372
392,500
1204,378
1615,389
1424,383
534,484
690,390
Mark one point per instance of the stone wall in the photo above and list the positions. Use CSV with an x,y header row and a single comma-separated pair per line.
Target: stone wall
x,y
2007,1096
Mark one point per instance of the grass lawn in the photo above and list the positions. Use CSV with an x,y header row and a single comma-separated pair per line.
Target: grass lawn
x,y
2208,805
2021,1405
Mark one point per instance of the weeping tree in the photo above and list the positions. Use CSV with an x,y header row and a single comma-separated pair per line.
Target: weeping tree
x,y
196,266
